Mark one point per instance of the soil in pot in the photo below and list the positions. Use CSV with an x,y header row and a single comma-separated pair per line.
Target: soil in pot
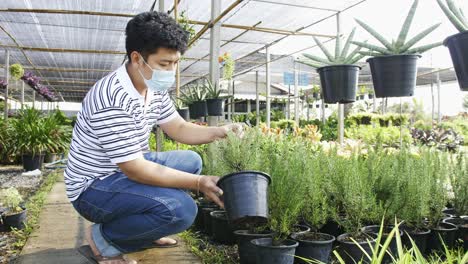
x,y
444,233
350,252
394,76
221,230
246,197
184,113
392,248
298,229
244,246
339,83
198,109
457,46
420,236
314,246
269,252
14,220
32,162
215,107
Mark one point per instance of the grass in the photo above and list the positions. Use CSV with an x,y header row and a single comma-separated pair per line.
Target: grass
x,y
34,206
209,253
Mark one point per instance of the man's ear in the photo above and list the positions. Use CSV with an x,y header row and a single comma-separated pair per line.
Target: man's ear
x,y
135,58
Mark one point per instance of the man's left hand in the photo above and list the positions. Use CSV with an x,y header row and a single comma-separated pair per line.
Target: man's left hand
x,y
236,128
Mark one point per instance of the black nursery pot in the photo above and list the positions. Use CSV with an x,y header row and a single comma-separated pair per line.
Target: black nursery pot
x,y
215,107
14,220
350,252
246,249
221,230
457,46
246,197
339,83
314,246
371,96
392,248
394,76
333,228
419,236
198,109
184,113
462,224
207,221
267,253
446,231
199,219
32,162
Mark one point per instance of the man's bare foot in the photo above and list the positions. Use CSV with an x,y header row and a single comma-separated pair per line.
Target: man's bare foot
x,y
105,260
165,241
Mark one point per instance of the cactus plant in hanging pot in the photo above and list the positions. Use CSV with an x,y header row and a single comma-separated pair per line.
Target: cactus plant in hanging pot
x,y
194,97
214,100
338,74
182,109
394,66
457,43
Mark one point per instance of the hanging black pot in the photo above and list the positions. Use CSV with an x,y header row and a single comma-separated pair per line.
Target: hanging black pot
x,y
392,248
339,83
222,231
462,225
457,46
246,197
184,113
15,220
32,162
361,97
269,253
215,107
315,95
317,106
246,249
420,236
350,252
371,96
446,231
313,246
394,76
198,109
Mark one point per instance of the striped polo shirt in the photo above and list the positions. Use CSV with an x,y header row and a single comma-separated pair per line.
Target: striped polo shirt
x,y
113,126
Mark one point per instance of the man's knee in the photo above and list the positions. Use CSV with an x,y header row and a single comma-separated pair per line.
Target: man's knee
x,y
185,211
195,160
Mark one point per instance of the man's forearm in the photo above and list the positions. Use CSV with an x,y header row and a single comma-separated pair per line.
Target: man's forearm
x,y
193,134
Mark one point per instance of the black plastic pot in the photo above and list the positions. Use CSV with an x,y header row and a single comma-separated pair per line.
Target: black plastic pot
x,y
350,252
246,197
392,248
32,162
215,107
267,253
184,113
419,237
299,229
394,76
371,96
317,106
462,224
16,220
339,83
326,106
207,223
199,219
457,46
198,109
318,248
450,212
445,231
361,97
315,95
245,248
331,227
221,230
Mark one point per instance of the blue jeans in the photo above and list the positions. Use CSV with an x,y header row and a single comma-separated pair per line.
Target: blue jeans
x,y
130,216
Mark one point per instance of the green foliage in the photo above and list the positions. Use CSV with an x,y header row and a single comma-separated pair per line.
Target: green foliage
x,y
212,91
458,176
16,71
341,57
465,102
207,252
454,14
400,46
12,199
229,65
31,134
387,136
184,23
7,141
194,93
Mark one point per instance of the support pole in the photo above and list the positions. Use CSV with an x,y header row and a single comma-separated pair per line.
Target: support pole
x,y
340,106
22,95
215,47
7,77
296,93
34,99
268,87
439,117
161,6
257,99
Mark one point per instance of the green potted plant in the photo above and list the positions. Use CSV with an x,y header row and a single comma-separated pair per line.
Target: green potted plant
x,y
393,66
370,93
16,71
7,142
194,97
316,92
457,43
59,137
338,74
182,108
214,101
32,138
362,91
15,216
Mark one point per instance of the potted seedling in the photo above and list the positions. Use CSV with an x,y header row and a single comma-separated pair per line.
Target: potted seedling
x,y
316,92
338,74
181,108
15,215
394,66
362,92
370,94
59,138
214,101
194,97
16,71
457,43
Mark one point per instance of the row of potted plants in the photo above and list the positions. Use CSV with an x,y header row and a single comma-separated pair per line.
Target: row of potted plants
x,y
12,212
340,193
393,66
34,82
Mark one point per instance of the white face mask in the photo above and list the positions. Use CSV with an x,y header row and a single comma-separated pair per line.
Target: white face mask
x,y
160,81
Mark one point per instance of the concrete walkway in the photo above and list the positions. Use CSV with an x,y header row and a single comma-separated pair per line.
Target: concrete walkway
x,y
61,231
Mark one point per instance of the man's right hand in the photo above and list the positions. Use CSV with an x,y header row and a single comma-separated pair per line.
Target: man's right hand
x,y
210,189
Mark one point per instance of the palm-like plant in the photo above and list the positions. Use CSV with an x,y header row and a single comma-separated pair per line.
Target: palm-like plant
x,y
193,94
400,46
212,91
454,14
341,57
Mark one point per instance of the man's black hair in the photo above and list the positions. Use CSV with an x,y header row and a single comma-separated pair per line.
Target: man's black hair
x,y
148,31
